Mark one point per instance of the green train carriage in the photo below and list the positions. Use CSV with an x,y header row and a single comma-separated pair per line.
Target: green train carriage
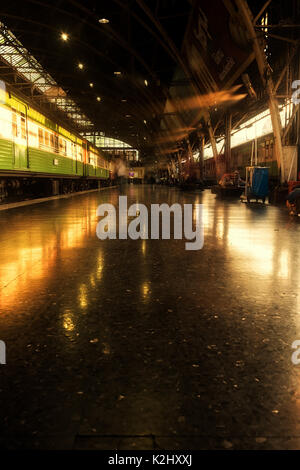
x,y
33,147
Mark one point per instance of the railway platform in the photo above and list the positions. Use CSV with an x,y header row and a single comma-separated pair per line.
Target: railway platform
x,y
142,344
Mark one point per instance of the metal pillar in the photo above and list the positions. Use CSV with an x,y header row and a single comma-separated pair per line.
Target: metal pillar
x,y
228,123
213,145
201,153
266,78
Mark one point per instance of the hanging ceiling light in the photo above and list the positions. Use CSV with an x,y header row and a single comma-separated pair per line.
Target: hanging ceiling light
x,y
64,36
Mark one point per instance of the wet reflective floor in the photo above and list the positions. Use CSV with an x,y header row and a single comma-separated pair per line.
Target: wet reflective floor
x,y
140,344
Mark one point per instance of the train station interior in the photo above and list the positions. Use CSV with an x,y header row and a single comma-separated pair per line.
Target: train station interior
x,y
149,225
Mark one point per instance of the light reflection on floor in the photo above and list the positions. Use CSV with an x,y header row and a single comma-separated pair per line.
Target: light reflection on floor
x,y
173,325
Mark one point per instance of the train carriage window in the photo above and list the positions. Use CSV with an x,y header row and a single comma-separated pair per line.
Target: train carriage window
x,y
56,143
47,140
68,148
41,137
271,149
267,149
62,146
79,153
23,126
52,141
73,150
32,134
14,123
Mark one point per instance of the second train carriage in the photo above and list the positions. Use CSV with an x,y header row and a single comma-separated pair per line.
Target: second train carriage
x,y
31,145
241,158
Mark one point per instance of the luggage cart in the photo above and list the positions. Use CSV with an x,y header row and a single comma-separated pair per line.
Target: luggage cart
x,y
257,184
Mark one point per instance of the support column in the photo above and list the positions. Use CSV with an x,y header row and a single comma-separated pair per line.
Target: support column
x,y
228,142
266,78
213,145
201,153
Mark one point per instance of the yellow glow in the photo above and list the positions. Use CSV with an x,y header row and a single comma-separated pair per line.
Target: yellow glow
x,y
72,237
207,217
98,98
117,73
146,82
100,266
255,127
103,21
220,229
16,274
283,268
64,36
83,296
91,84
145,290
5,123
80,66
92,280
256,250
68,323
29,258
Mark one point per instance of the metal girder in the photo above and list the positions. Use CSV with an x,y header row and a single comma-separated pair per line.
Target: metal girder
x,y
265,6
36,78
266,78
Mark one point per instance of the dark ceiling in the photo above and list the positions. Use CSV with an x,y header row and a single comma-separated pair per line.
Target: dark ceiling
x,y
142,40
131,43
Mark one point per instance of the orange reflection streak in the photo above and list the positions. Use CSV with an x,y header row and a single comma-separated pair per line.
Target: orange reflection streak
x,y
146,290
30,266
206,101
198,102
27,260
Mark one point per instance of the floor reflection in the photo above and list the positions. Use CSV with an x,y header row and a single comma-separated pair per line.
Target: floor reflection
x,y
192,341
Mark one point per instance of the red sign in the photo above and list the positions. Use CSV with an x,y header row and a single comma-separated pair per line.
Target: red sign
x,y
216,47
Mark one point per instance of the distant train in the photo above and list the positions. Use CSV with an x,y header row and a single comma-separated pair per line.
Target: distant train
x,y
241,157
136,175
37,154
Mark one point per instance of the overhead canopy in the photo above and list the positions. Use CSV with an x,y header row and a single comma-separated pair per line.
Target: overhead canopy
x,y
128,68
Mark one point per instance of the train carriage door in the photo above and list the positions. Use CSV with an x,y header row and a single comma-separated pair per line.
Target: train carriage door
x,y
16,156
19,139
84,158
75,156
